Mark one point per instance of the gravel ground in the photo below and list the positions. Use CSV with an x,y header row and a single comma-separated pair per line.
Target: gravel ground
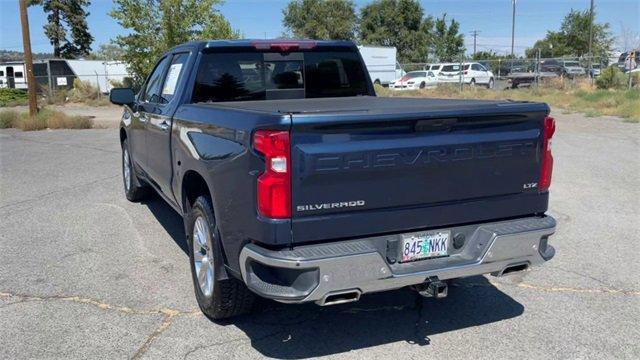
x,y
86,274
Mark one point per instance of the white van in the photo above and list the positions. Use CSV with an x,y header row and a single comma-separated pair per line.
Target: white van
x,y
381,63
435,68
472,74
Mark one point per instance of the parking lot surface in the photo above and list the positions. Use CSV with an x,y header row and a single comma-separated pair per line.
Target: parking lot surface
x,y
86,274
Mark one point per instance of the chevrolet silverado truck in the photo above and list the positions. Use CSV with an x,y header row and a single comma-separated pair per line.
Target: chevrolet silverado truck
x,y
296,183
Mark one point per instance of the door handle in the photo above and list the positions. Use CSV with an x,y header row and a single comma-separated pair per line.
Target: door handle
x,y
164,125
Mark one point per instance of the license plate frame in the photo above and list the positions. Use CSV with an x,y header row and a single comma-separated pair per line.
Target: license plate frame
x,y
425,245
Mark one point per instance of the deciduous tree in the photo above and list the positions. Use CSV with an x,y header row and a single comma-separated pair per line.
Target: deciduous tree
x,y
397,23
157,25
448,42
573,38
321,19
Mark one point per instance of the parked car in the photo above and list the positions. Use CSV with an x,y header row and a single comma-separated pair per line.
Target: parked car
x,y
414,80
472,74
434,68
300,185
513,66
572,68
595,70
381,63
550,65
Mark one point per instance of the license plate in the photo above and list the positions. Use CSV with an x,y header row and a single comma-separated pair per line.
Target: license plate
x,y
425,245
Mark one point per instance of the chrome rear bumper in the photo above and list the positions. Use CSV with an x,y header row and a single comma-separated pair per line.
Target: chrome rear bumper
x,y
318,272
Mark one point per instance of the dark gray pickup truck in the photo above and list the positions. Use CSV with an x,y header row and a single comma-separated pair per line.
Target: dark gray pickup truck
x,y
297,183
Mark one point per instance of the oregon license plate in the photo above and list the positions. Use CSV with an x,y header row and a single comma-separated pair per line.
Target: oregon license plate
x,y
425,245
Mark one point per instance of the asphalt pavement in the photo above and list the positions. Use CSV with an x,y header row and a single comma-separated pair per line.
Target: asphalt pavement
x,y
86,274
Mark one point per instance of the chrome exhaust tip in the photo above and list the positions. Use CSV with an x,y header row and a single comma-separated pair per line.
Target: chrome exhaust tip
x,y
339,297
514,268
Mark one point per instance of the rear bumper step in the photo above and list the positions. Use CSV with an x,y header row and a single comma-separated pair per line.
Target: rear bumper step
x,y
340,272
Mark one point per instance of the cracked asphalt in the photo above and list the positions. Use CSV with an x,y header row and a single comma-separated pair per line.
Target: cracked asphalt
x,y
86,274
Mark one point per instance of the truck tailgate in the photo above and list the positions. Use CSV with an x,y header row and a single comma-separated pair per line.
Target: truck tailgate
x,y
437,166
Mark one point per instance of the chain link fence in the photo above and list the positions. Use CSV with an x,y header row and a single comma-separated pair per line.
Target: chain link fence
x,y
501,74
69,87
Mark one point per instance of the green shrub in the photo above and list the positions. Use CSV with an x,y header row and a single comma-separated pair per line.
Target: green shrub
x,y
611,78
8,119
12,97
635,79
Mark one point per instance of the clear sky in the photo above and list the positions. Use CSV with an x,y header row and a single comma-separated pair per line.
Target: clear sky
x,y
263,18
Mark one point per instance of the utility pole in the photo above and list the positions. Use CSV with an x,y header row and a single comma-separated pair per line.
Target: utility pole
x,y
28,60
475,35
513,25
590,40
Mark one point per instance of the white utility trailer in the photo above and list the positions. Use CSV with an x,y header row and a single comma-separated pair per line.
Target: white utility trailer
x,y
381,63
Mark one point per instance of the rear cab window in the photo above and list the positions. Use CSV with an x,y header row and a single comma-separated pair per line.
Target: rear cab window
x,y
249,74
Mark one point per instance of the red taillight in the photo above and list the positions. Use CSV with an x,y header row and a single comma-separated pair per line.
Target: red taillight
x,y
547,158
274,185
284,46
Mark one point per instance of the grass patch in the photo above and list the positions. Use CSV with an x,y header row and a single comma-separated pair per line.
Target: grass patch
x,y
8,119
12,97
46,119
574,97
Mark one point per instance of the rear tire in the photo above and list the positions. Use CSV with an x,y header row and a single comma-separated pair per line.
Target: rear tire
x,y
217,297
472,83
490,84
134,189
423,85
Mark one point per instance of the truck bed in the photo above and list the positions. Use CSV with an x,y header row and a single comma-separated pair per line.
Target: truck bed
x,y
383,105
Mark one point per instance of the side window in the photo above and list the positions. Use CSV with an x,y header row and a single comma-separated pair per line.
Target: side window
x,y
18,74
152,89
475,67
173,75
1,73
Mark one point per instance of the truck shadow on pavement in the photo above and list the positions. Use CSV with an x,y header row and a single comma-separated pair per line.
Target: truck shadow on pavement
x,y
170,221
307,330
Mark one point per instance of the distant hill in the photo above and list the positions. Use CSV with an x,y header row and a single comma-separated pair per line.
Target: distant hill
x,y
10,55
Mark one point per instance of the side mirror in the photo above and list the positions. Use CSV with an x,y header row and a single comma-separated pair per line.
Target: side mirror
x,y
122,96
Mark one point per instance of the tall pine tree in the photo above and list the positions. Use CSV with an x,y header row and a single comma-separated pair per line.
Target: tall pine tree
x,y
67,16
